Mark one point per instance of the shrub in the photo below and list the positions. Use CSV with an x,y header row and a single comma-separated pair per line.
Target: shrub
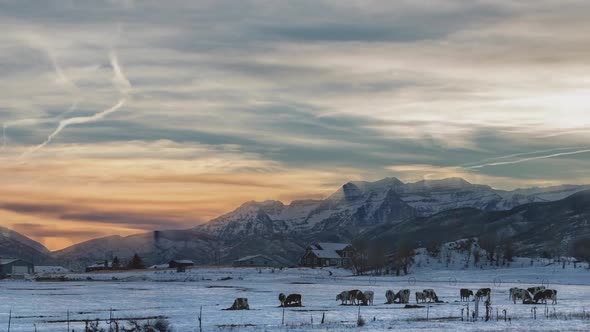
x,y
360,321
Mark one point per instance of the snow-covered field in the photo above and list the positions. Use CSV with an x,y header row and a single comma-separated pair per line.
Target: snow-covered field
x,y
179,296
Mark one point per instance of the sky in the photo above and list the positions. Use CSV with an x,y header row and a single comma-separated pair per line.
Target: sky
x,y
120,117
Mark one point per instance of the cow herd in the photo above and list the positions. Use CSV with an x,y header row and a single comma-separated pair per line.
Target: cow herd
x,y
531,295
356,297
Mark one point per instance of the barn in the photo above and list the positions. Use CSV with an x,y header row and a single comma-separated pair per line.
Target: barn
x,y
180,264
255,261
15,268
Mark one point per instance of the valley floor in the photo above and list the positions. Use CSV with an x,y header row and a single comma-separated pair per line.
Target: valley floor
x,y
179,296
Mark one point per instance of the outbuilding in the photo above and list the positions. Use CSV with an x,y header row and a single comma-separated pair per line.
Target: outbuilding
x,y
15,268
180,264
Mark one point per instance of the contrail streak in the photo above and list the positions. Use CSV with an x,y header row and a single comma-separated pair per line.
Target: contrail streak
x,y
33,121
72,121
555,155
520,154
121,83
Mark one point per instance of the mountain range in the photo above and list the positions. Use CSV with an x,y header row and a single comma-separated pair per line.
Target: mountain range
x,y
388,210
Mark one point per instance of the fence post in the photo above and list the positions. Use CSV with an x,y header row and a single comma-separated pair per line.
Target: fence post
x,y
68,320
201,319
9,319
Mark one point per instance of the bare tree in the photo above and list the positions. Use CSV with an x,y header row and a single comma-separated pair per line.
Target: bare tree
x,y
403,258
581,250
489,244
376,257
360,256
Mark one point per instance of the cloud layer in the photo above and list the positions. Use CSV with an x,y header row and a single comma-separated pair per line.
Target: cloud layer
x,y
233,101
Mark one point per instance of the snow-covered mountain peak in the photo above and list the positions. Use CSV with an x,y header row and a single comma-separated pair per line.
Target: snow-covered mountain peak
x,y
443,185
360,204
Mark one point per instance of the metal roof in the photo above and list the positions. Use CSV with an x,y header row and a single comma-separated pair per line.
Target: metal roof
x,y
253,256
332,246
326,254
182,261
8,261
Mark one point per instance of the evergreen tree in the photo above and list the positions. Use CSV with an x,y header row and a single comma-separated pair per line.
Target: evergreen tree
x,y
116,263
136,263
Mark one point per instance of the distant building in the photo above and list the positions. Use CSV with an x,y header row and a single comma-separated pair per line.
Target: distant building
x,y
100,266
255,261
180,264
328,254
50,269
15,268
159,266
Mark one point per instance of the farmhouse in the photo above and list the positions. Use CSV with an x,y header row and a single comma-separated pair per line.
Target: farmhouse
x,y
328,254
15,268
255,261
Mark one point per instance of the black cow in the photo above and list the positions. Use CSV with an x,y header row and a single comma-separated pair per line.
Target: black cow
x,y
535,290
361,299
293,300
466,294
544,295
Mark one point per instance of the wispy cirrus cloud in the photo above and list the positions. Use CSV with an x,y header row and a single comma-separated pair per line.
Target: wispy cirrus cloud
x,y
284,100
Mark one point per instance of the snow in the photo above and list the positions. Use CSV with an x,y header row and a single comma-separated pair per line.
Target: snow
x,y
50,269
179,297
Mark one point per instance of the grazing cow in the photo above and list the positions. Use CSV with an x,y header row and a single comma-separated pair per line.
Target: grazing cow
x,y
544,295
519,294
389,296
282,299
352,296
430,295
403,296
466,294
293,300
535,290
527,298
511,292
370,295
361,299
343,296
483,292
420,297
